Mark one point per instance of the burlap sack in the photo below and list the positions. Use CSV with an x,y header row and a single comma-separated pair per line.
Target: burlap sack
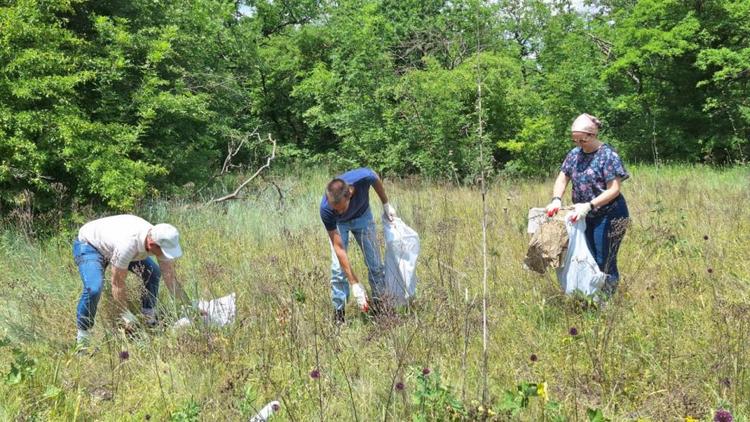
x,y
548,244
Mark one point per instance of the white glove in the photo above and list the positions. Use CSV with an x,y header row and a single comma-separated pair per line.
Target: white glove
x,y
580,211
553,207
361,296
389,211
128,320
182,322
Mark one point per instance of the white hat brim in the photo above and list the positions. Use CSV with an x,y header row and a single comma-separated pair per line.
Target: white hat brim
x,y
172,253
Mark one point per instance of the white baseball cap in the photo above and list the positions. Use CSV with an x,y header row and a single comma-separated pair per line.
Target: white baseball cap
x,y
168,239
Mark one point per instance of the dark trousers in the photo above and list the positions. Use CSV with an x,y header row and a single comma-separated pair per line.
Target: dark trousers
x,y
91,265
605,229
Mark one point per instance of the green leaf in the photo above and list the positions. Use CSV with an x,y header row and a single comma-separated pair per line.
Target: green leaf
x,y
596,415
52,392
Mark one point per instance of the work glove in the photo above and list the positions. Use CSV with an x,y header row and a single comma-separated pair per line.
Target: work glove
x,y
188,313
182,323
361,296
389,211
580,211
553,207
128,321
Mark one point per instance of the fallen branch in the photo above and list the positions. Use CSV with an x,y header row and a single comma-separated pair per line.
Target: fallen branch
x,y
232,151
235,194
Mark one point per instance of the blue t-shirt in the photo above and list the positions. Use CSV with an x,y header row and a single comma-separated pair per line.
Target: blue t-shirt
x,y
590,172
361,179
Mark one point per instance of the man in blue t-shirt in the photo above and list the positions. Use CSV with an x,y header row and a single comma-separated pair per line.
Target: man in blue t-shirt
x,y
345,207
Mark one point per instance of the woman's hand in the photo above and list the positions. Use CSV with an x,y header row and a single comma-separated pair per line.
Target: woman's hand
x,y
580,211
553,207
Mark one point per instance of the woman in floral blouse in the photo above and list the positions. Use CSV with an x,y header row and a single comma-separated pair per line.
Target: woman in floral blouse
x,y
597,173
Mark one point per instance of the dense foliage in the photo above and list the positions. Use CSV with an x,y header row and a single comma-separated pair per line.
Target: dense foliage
x,y
110,102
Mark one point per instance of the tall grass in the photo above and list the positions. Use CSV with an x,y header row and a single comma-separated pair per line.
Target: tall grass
x,y
673,342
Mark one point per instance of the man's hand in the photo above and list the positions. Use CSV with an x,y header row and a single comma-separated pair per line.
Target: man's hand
x,y
553,207
170,279
580,211
128,321
361,296
389,211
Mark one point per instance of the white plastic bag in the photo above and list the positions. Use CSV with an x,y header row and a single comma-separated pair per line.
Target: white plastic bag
x,y
265,414
401,251
580,272
219,312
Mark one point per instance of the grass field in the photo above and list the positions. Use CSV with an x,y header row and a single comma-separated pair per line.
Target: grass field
x,y
672,344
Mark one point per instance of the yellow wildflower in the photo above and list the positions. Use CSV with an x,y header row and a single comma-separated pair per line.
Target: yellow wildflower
x,y
541,390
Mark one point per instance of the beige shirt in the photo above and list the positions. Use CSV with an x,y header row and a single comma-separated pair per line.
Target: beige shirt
x,y
121,239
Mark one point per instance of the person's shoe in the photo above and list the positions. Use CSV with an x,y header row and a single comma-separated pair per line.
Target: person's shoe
x,y
83,346
83,341
150,321
339,316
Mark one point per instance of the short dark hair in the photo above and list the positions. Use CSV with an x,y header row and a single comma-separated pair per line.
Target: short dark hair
x,y
337,190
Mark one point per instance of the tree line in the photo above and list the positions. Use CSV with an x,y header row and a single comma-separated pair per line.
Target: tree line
x,y
110,102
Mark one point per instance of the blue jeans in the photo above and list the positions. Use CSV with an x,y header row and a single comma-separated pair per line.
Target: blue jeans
x,y
91,265
605,229
365,232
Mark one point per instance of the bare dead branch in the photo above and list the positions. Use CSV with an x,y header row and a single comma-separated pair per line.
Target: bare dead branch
x,y
235,194
233,149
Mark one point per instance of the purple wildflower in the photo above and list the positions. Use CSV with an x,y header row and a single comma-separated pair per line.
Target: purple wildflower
x,y
723,416
573,331
315,374
124,355
399,386
425,371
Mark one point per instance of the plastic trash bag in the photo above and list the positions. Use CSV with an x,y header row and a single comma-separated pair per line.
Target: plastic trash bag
x,y
265,414
217,312
401,252
580,272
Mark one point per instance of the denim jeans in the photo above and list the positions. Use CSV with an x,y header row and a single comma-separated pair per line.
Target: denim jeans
x,y
605,229
91,265
365,232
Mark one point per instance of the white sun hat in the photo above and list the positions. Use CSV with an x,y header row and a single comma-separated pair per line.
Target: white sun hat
x,y
168,239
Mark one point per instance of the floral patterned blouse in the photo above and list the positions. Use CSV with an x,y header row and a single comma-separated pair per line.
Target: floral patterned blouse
x,y
590,172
